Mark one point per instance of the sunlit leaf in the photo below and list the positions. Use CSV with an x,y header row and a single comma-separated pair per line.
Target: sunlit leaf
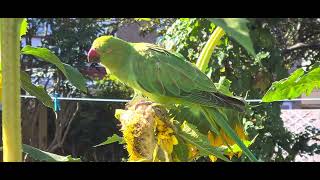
x,y
235,148
237,29
298,83
37,91
114,138
70,72
24,27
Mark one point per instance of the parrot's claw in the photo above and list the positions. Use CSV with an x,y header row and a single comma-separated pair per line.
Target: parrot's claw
x,y
147,103
156,104
141,103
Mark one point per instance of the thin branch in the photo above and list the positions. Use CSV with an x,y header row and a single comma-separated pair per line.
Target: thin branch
x,y
301,46
69,124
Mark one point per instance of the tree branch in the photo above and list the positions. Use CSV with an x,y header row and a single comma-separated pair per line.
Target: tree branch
x,y
301,46
69,123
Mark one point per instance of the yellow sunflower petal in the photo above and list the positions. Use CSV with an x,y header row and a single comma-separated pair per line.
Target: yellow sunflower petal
x,y
239,154
230,155
174,140
213,158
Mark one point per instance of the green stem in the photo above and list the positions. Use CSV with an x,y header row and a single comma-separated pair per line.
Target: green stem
x,y
11,118
204,58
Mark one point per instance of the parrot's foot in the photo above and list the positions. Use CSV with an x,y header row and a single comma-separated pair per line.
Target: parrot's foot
x,y
156,104
142,103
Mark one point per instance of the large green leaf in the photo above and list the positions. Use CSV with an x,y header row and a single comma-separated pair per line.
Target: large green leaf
x,y
75,77
237,29
38,91
40,155
298,83
71,73
221,120
191,135
112,139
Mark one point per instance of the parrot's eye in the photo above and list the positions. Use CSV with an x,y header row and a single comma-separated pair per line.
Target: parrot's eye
x,y
94,65
108,51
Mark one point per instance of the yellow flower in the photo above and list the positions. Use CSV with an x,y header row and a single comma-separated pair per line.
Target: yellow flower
x,y
224,140
192,151
165,136
213,158
145,131
138,133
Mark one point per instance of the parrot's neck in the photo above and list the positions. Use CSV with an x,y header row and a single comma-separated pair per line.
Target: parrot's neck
x,y
117,64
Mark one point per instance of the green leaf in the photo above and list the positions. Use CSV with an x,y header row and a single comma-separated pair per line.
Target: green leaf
x,y
181,150
222,122
261,56
112,139
237,29
70,72
38,91
235,148
23,27
223,86
75,77
118,113
191,134
298,83
41,155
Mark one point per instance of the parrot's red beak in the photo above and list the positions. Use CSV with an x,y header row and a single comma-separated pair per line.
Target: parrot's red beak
x,y
93,55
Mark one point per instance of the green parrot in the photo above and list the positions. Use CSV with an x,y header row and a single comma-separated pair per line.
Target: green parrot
x,y
164,77
168,78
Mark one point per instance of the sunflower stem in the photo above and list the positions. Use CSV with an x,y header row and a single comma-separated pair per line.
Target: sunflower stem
x,y
11,118
204,58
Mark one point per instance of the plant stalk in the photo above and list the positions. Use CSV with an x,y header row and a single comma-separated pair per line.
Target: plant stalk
x,y
10,61
204,58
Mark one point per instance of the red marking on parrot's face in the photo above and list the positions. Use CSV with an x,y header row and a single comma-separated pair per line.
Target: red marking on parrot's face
x,y
93,55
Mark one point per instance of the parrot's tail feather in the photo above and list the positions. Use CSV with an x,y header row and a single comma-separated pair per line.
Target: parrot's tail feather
x,y
215,99
229,102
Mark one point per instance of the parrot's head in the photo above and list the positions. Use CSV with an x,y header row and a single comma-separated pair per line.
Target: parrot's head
x,y
105,48
110,52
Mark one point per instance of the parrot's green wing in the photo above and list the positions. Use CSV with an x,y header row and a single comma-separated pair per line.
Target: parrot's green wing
x,y
163,73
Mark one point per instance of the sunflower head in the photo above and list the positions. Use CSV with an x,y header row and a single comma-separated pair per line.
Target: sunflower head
x,y
146,127
224,140
137,124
